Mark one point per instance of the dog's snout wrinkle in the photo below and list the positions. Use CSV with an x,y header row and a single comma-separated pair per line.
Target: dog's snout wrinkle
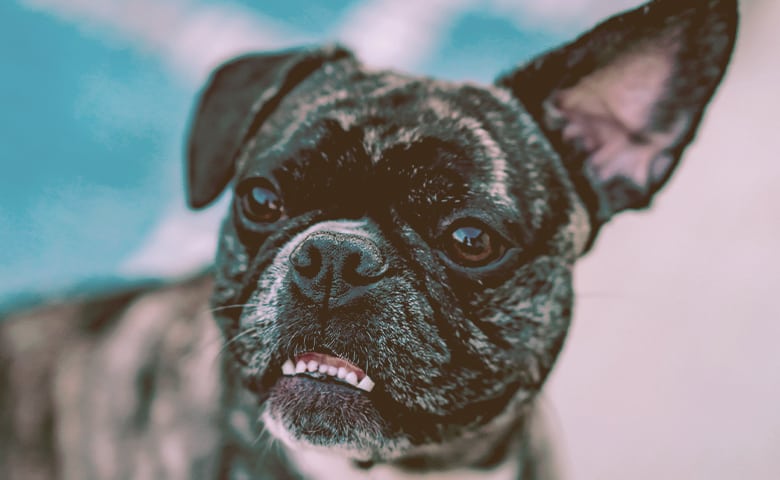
x,y
333,266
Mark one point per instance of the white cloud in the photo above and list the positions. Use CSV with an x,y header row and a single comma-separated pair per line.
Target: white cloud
x,y
559,15
189,37
405,33
183,242
399,33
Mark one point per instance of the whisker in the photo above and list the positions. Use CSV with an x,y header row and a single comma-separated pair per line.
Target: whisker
x,y
233,340
205,343
228,307
267,445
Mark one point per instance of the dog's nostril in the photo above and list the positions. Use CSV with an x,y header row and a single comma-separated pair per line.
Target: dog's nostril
x,y
307,259
334,265
363,266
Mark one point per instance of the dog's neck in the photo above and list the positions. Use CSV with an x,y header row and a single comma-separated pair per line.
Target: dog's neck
x,y
503,450
318,465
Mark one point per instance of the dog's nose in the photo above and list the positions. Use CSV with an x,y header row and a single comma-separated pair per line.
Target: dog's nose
x,y
335,267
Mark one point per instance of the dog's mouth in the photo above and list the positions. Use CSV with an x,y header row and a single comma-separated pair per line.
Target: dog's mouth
x,y
322,399
327,368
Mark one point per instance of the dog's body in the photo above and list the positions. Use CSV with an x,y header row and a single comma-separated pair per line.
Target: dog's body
x,y
394,277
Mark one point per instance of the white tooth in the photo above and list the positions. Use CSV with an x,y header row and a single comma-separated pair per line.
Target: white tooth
x,y
332,371
288,368
312,366
323,368
300,367
341,373
352,378
366,384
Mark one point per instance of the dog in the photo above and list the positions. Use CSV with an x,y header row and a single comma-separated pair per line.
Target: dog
x,y
393,281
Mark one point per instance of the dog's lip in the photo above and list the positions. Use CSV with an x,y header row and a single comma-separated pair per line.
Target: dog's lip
x,y
328,366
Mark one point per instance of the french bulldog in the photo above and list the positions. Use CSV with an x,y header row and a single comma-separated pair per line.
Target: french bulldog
x,y
394,276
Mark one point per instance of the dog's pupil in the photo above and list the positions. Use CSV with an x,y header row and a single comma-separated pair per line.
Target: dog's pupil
x,y
472,244
263,205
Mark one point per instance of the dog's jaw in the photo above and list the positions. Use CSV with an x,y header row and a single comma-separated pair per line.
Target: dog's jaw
x,y
513,445
364,425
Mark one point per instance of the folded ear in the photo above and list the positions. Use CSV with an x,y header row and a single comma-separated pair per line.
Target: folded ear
x,y
235,102
621,103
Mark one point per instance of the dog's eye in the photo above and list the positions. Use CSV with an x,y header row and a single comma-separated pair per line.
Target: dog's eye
x,y
261,204
473,245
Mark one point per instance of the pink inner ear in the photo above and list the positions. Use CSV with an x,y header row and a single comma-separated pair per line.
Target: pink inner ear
x,y
608,113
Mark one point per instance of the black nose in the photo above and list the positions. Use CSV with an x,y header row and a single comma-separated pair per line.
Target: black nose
x,y
335,267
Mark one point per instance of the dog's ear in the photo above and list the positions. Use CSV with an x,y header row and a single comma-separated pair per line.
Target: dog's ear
x,y
235,102
621,103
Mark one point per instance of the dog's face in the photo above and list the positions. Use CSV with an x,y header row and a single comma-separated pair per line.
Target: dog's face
x,y
402,229
395,270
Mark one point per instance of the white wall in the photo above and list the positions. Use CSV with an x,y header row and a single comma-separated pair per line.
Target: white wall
x,y
672,368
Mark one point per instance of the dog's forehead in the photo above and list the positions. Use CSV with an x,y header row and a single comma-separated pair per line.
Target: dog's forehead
x,y
480,133
393,109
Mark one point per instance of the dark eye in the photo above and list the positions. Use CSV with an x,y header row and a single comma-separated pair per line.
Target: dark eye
x,y
261,204
473,245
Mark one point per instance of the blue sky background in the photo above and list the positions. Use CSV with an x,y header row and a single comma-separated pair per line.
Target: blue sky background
x,y
96,97
83,130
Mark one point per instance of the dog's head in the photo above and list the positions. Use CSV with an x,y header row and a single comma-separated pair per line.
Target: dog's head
x,y
396,267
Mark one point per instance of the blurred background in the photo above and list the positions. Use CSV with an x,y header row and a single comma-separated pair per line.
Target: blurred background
x,y
672,368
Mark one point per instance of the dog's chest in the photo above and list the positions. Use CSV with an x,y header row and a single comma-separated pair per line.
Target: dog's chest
x,y
323,466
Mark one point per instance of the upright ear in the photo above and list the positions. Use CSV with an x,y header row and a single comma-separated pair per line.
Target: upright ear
x,y
235,102
621,103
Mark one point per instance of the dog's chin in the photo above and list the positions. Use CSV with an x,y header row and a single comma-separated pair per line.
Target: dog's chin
x,y
306,412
